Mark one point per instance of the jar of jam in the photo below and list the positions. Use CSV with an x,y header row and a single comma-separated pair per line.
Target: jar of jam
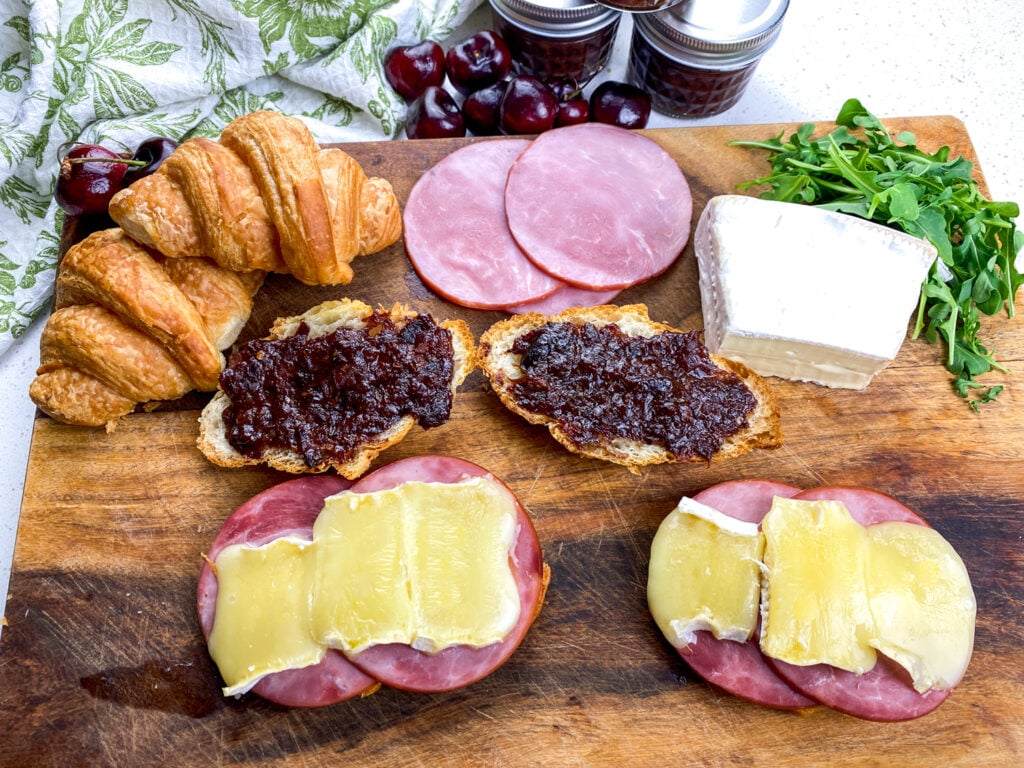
x,y
696,58
557,39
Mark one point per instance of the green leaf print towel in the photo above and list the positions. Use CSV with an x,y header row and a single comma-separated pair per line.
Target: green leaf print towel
x,y
116,73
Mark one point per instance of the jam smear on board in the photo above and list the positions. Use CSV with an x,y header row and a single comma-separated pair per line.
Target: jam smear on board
x,y
601,384
324,396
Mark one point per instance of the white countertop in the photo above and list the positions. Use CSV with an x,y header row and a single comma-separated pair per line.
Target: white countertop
x,y
918,58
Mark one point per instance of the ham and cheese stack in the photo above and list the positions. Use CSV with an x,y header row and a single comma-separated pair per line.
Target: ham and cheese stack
x,y
837,595
425,575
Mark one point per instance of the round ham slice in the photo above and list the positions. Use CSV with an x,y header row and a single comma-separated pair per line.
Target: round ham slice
x,y
402,666
456,235
741,668
288,508
598,206
885,693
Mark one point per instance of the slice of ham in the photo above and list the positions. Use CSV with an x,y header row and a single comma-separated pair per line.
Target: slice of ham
x,y
885,693
288,508
598,206
741,668
402,666
563,299
456,235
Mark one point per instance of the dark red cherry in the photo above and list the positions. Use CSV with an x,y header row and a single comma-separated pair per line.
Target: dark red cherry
x,y
89,176
149,156
573,112
564,88
480,60
482,110
434,115
620,104
528,106
411,68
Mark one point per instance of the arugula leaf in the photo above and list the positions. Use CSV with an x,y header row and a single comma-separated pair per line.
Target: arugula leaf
x,y
860,169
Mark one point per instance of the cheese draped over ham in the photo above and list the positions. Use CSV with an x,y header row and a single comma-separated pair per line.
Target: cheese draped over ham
x,y
704,574
423,564
832,591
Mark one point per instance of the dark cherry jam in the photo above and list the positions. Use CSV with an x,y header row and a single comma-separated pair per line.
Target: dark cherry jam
x,y
557,39
680,90
323,396
601,384
696,59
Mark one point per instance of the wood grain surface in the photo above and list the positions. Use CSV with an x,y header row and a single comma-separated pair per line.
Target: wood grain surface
x,y
102,662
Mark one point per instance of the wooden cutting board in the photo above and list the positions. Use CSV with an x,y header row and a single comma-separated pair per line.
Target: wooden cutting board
x,y
102,662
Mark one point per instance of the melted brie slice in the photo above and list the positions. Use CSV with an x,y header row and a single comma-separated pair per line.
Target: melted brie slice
x,y
835,592
815,597
424,564
704,574
262,619
922,604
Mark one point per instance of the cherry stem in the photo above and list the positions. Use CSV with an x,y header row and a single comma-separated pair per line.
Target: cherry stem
x,y
124,160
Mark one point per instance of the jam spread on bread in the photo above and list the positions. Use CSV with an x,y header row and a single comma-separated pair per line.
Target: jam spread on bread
x,y
601,384
323,396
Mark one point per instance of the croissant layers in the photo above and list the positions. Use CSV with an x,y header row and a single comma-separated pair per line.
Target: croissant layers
x,y
263,197
144,311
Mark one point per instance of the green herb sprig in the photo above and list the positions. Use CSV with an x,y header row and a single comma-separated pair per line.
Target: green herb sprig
x,y
892,181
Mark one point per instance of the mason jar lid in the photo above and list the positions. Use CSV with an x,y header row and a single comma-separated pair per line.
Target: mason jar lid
x,y
560,18
715,33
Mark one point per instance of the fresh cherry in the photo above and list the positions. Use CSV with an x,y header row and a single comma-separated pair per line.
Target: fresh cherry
x,y
620,104
480,60
434,115
564,88
411,68
149,156
528,106
482,110
573,111
89,176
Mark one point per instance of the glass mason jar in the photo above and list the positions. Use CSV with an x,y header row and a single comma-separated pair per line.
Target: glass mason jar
x,y
697,58
557,39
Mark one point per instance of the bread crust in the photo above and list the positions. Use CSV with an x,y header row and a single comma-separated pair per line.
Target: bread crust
x,y
501,367
323,319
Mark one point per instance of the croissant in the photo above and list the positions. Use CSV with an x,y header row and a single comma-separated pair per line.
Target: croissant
x,y
264,197
131,327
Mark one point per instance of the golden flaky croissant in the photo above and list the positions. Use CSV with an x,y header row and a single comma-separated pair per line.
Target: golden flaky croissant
x,y
130,326
264,197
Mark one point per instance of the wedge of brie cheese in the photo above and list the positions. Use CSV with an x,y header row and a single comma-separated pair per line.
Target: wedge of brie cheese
x,y
804,293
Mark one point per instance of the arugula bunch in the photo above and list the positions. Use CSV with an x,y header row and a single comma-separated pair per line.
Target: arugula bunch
x,y
892,181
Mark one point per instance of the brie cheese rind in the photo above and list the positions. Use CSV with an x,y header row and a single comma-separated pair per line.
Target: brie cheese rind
x,y
805,293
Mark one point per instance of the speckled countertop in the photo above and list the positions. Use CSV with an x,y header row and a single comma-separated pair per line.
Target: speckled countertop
x,y
918,58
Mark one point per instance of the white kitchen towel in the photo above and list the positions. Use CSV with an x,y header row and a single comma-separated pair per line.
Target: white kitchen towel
x,y
115,73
